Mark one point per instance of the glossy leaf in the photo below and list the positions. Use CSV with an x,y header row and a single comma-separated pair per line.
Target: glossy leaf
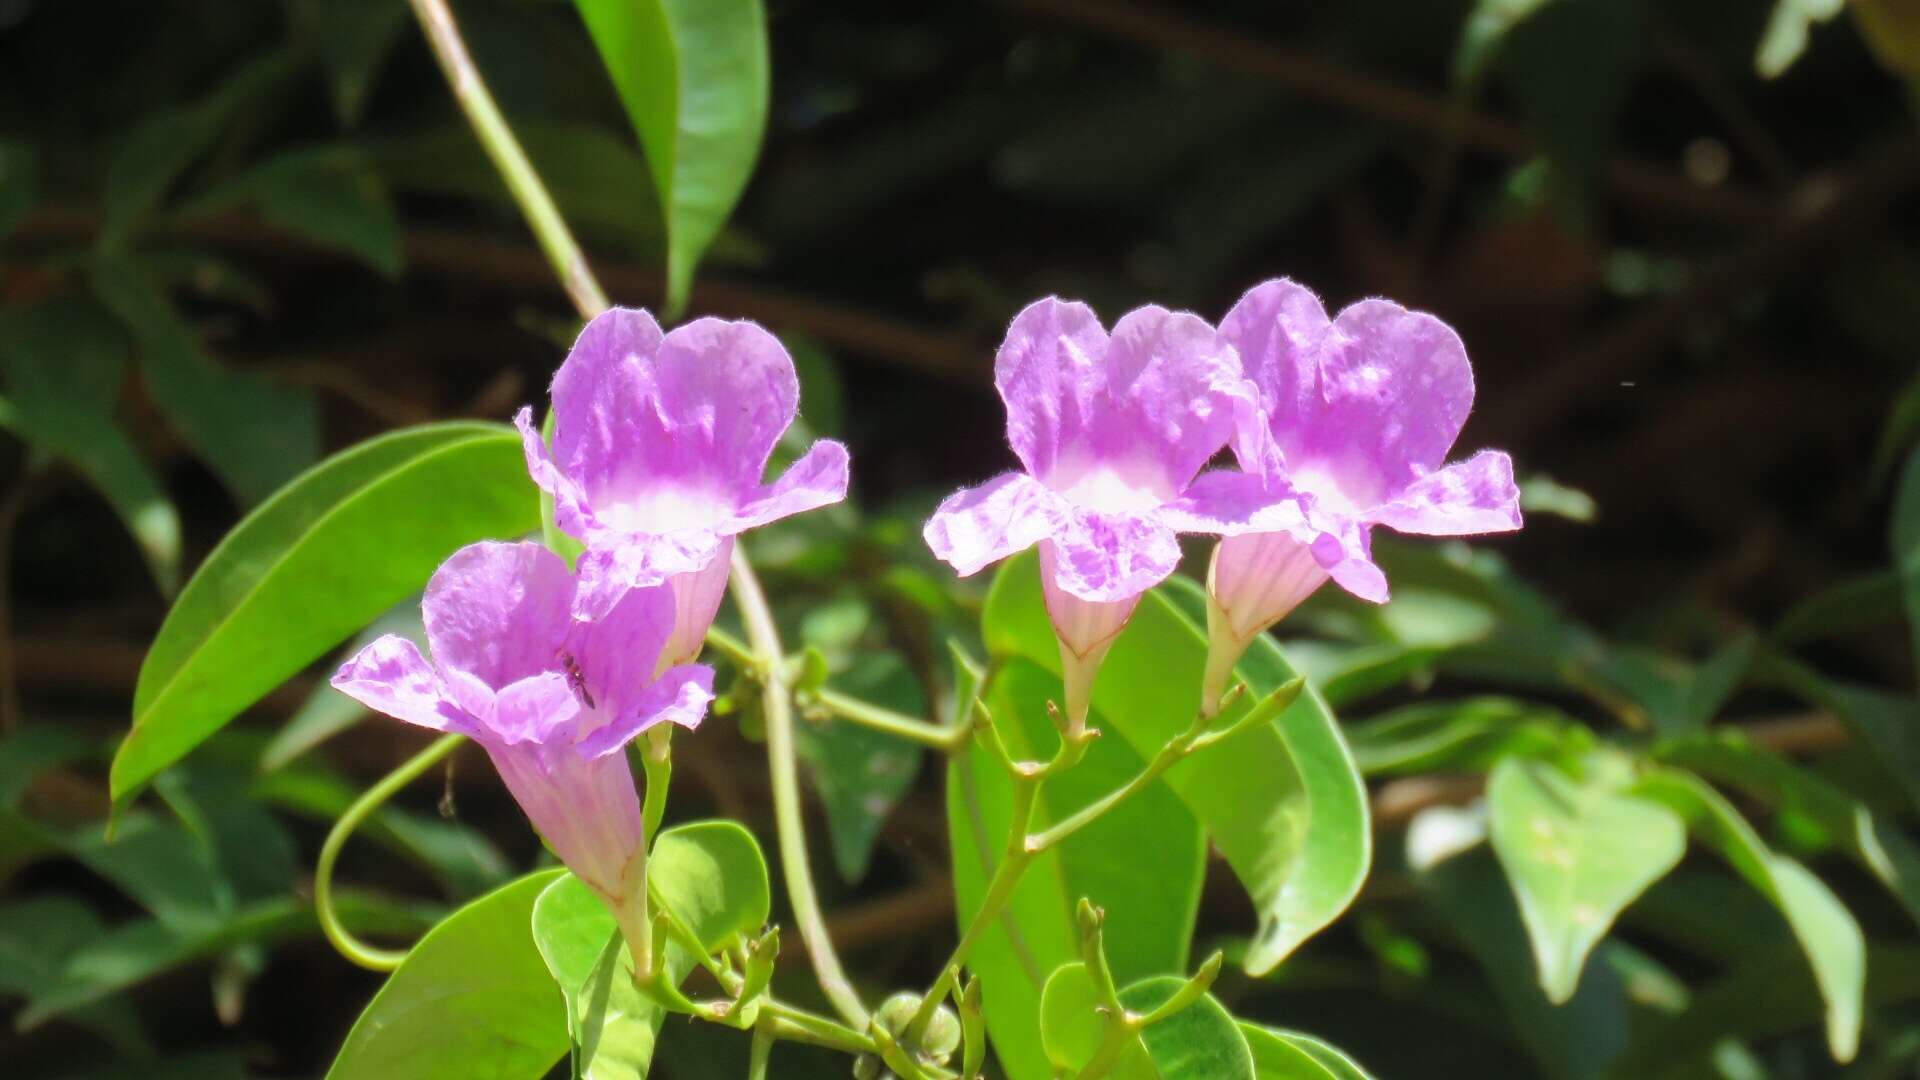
x,y
693,75
253,432
711,874
327,712
61,368
1151,904
1289,1055
1283,803
1576,853
1825,929
1200,1042
314,564
472,999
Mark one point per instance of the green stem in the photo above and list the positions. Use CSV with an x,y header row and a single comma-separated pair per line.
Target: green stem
x,y
367,956
783,763
656,758
556,240
763,1037
899,725
821,1031
734,649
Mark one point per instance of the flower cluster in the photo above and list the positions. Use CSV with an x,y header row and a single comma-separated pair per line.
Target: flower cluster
x,y
1337,425
660,442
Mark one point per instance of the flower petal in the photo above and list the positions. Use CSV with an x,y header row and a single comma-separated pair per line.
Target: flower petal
x,y
1049,371
680,696
390,676
587,809
1477,495
1171,384
536,709
616,653
818,479
1277,328
1111,557
1345,550
498,611
1230,503
601,400
984,524
726,392
615,562
570,508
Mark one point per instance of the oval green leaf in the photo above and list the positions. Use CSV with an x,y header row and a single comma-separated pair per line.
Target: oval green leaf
x,y
1577,854
1200,1042
1283,803
471,1001
693,77
322,558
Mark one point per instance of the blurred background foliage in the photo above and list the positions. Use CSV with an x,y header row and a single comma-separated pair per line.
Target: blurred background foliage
x,y
1679,238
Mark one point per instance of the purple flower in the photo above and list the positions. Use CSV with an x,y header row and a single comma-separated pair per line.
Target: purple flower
x,y
1352,421
553,701
659,445
1111,430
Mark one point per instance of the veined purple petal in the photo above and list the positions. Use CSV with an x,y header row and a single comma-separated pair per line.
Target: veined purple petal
x,y
1229,502
602,402
535,709
1048,372
1169,395
498,611
615,655
1277,328
696,600
1477,495
1110,557
680,696
390,676
570,510
818,479
586,807
1086,629
982,525
615,562
1256,579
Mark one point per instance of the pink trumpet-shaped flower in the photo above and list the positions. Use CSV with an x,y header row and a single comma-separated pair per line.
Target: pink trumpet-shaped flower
x,y
1111,429
551,700
1352,423
659,445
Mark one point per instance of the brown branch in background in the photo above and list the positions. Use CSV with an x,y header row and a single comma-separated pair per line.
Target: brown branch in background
x,y
464,256
1312,77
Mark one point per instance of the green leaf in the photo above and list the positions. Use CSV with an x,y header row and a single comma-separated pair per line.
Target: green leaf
x,y
1810,800
1577,854
1569,67
1481,36
1283,803
62,364
327,712
861,774
693,77
1575,1041
253,432
1825,929
1151,904
1465,735
153,157
473,999
710,874
1786,35
327,194
1200,1042
1875,599
132,953
34,749
328,554
37,939
19,183
1289,1055
353,38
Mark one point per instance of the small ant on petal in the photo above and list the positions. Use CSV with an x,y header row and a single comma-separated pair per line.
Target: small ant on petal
x,y
575,678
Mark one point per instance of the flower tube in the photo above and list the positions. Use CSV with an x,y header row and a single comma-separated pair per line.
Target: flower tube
x,y
659,445
553,701
1350,428
1111,430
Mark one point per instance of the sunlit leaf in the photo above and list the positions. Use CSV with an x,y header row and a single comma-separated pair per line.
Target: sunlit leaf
x,y
693,76
1289,1055
1200,1042
318,561
1577,853
1787,30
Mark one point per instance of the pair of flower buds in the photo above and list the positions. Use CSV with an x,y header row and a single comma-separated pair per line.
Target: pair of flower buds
x,y
661,441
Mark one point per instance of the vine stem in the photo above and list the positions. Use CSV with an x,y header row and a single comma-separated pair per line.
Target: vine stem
x,y
947,740
355,950
783,763
543,216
